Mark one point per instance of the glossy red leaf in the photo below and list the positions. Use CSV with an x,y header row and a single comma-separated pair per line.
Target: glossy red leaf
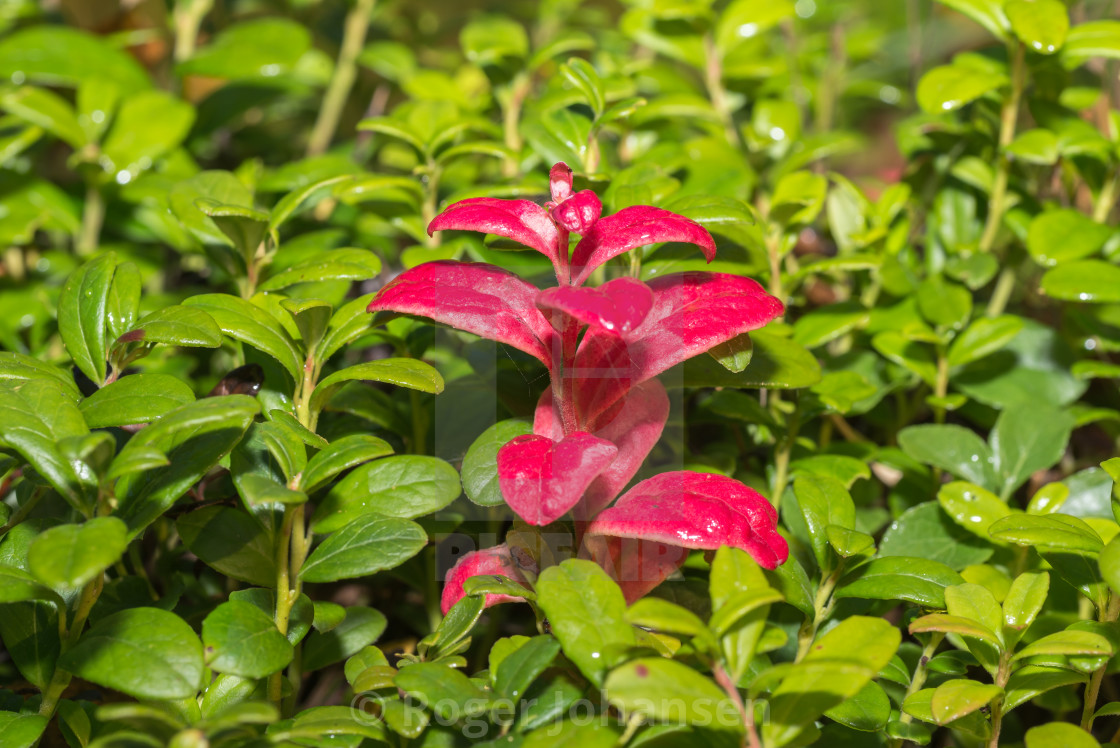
x,y
696,510
542,479
632,227
521,220
692,313
636,565
578,213
496,561
633,425
560,181
617,306
473,297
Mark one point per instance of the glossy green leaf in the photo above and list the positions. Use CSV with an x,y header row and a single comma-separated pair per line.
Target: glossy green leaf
x,y
22,730
361,627
34,416
83,312
137,398
448,693
242,640
953,448
777,363
950,87
1094,281
984,336
402,372
407,486
971,507
1057,532
1040,24
147,126
341,454
59,56
364,546
915,580
1092,39
516,673
1028,438
146,653
1059,735
253,326
45,109
336,264
256,489
480,464
867,711
987,13
178,325
231,542
667,691
262,47
1023,603
954,699
587,613
68,556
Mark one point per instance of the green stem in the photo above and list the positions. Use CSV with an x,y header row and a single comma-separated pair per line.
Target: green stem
x,y
93,215
188,19
822,607
431,200
782,455
746,709
284,597
23,511
1005,284
511,119
941,387
997,703
1106,200
920,674
1093,688
61,678
1008,117
345,71
713,79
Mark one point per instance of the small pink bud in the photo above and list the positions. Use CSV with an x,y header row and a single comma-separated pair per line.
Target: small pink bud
x,y
578,213
560,182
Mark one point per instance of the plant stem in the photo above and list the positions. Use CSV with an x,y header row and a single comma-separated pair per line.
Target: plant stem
x,y
188,19
822,606
284,596
1106,200
431,201
746,710
997,703
1005,284
93,215
941,388
782,455
60,679
24,510
1008,117
1093,687
713,79
919,679
511,119
345,71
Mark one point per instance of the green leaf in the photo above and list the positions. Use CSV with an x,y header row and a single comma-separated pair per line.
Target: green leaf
x,y
311,725
242,640
1029,681
956,698
124,300
661,615
987,13
1037,146
867,711
669,692
907,353
349,322
341,454
18,586
146,653
335,264
407,486
1094,281
984,336
734,355
958,625
68,556
1042,25
975,603
1066,643
824,501
777,363
927,531
828,323
262,47
521,667
147,125
953,448
736,583
456,625
1023,603
137,398
798,198
971,507
361,627
327,616
286,206
1052,532
1059,735
34,416
245,227
950,87
178,325
944,305
735,609
217,186
16,368
1092,39
82,314
584,78
364,546
56,55
231,542
746,19
402,372
480,464
915,580
256,489
44,109
490,40
244,321
587,613
22,730
194,437
448,693
1028,438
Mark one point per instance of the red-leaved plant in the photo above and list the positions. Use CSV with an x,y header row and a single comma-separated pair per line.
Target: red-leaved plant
x,y
605,409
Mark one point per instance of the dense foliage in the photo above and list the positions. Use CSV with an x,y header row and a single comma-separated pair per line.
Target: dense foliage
x,y
663,373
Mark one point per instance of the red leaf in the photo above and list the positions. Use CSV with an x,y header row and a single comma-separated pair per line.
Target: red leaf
x,y
697,510
636,565
692,313
617,306
560,181
541,479
473,297
577,213
489,561
634,425
632,227
521,220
